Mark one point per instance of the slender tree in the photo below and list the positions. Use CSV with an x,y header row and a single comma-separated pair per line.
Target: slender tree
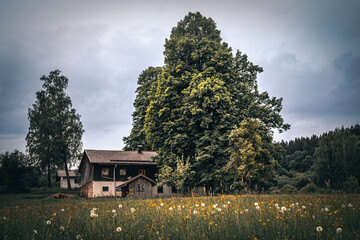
x,y
250,157
54,137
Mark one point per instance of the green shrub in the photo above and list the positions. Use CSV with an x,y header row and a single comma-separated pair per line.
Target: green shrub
x,y
351,185
310,188
288,189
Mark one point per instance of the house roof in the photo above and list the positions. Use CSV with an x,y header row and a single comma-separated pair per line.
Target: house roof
x,y
134,178
62,173
120,157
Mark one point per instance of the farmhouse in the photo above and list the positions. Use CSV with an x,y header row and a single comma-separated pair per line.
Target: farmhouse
x,y
124,173
61,177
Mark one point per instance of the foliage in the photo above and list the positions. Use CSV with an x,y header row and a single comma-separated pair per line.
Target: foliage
x,y
175,176
147,80
199,96
250,159
351,185
18,173
310,188
223,217
54,137
338,158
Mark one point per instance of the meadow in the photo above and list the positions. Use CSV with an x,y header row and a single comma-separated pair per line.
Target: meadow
x,y
220,217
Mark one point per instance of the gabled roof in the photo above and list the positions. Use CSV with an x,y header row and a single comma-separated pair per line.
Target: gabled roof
x,y
134,178
120,157
62,173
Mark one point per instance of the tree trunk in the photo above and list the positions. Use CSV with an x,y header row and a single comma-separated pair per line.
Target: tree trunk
x,y
67,173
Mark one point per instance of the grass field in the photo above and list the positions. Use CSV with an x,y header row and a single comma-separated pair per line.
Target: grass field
x,y
221,217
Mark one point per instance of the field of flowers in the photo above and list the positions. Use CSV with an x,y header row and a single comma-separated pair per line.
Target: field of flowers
x,y
222,217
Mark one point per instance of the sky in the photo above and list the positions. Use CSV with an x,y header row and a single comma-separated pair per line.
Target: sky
x,y
309,50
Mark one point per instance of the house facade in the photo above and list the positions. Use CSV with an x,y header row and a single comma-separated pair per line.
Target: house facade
x,y
121,173
61,177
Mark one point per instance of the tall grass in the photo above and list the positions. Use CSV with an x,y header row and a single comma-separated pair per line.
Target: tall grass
x,y
223,217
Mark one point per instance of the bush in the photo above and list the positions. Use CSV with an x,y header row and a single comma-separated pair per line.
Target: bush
x,y
310,188
351,185
288,189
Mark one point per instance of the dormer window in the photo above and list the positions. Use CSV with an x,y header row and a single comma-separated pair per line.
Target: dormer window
x,y
105,172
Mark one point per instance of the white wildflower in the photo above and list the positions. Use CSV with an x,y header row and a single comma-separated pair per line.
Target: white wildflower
x,y
35,231
224,206
161,204
218,209
203,204
350,205
326,209
258,207
62,228
113,211
132,210
170,208
343,206
246,210
276,205
120,206
228,202
195,212
118,229
338,230
256,204
319,229
48,222
78,236
93,214
196,205
303,207
283,209
63,210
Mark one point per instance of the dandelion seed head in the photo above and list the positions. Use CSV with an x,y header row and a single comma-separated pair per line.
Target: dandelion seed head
x,y
319,228
118,229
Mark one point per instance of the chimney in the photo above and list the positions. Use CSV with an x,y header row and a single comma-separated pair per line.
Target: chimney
x,y
139,148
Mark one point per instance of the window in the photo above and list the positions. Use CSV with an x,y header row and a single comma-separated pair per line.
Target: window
x,y
122,172
105,172
142,171
105,189
141,187
160,189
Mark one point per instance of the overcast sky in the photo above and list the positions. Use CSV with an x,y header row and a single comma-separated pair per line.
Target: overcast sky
x,y
310,52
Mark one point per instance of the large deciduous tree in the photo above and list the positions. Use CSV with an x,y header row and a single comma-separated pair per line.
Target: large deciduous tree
x,y
199,96
55,132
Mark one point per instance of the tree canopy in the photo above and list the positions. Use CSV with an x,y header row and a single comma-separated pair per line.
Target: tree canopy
x,y
200,95
54,137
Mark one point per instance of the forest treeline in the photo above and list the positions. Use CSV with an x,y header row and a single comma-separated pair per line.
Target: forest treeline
x,y
327,162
